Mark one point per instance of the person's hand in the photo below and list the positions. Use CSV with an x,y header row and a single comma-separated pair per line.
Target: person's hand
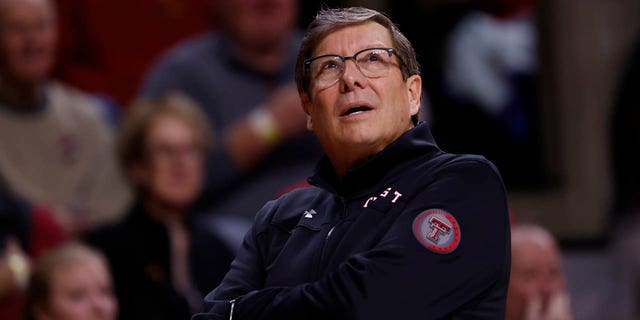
x,y
285,107
557,308
14,268
266,126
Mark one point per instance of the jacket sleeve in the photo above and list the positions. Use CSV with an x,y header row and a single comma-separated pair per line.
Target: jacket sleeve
x,y
246,273
400,278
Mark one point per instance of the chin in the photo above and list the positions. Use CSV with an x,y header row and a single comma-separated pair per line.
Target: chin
x,y
186,198
34,77
363,138
180,198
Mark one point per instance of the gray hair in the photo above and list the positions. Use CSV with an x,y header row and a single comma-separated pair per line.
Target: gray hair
x,y
330,20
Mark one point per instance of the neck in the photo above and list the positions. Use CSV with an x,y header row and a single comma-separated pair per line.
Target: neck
x,y
164,212
22,94
266,57
341,162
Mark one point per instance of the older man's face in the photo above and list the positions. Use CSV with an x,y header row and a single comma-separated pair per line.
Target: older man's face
x,y
27,39
359,115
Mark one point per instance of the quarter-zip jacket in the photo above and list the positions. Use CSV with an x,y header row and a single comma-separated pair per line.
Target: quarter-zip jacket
x,y
351,249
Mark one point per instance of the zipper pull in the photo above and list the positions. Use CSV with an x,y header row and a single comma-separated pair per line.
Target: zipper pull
x,y
233,304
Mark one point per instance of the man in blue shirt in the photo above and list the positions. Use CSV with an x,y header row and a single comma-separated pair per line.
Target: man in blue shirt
x,y
241,75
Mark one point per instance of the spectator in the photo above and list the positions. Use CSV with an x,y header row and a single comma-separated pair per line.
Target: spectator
x,y
537,285
490,102
71,282
55,146
161,250
625,217
26,232
262,145
98,55
625,139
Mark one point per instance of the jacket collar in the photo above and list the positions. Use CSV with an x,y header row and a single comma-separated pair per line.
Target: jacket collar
x,y
414,143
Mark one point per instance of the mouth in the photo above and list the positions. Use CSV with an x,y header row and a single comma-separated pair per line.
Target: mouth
x,y
356,110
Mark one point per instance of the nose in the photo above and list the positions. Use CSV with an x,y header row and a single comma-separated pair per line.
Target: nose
x,y
551,286
103,307
352,77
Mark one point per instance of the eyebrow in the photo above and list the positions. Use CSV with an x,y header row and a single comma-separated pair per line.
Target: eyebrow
x,y
377,44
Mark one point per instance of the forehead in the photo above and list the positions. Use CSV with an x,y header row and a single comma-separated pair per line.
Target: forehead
x,y
169,126
76,268
532,253
352,38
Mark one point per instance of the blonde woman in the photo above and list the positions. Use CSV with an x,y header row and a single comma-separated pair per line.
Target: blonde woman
x,y
71,282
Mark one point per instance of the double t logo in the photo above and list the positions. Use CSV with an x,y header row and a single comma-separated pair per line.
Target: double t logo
x,y
438,228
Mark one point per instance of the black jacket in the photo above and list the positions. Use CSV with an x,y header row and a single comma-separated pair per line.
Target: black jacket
x,y
413,233
139,255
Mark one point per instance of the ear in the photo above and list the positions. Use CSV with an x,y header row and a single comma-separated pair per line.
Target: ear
x,y
306,106
414,92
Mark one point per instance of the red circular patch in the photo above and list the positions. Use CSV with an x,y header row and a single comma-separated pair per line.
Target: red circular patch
x,y
437,230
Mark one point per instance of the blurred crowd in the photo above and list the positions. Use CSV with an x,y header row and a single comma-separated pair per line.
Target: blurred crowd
x,y
137,144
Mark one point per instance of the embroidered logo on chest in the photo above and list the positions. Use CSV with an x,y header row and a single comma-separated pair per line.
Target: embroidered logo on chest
x,y
393,196
437,230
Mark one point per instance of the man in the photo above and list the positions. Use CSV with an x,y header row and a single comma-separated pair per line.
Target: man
x,y
393,227
537,288
55,145
242,76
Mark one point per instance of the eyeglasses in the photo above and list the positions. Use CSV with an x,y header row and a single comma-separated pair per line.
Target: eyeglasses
x,y
327,69
167,152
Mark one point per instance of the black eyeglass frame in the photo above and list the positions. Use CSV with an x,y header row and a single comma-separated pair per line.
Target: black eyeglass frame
x,y
307,62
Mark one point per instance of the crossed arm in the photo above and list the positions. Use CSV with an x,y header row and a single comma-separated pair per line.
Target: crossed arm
x,y
398,277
